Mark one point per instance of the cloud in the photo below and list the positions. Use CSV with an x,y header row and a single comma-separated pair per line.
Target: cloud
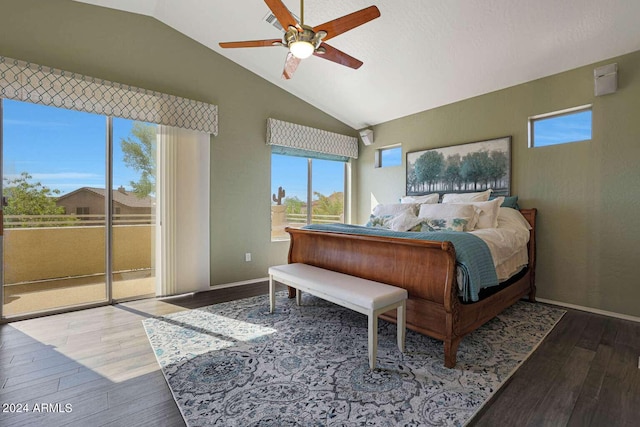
x,y
64,181
57,176
66,176
35,123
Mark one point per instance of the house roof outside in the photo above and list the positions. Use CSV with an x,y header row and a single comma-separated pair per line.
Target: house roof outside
x,y
120,196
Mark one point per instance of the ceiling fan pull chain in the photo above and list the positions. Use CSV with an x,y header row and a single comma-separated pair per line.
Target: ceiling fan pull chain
x,y
301,13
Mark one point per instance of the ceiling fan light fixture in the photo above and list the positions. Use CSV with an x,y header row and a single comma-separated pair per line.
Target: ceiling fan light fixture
x,y
301,49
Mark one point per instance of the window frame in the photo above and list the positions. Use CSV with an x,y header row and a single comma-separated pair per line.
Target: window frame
x,y
555,114
309,199
378,156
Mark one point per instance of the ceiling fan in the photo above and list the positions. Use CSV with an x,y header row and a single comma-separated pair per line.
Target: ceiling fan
x,y
304,41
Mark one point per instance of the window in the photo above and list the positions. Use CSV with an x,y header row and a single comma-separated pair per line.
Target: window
x,y
300,182
57,165
560,127
388,156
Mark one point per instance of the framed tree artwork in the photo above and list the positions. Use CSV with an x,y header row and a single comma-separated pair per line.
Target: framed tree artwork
x,y
476,166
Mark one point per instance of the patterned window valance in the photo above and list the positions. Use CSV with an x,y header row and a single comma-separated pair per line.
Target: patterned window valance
x,y
39,84
308,139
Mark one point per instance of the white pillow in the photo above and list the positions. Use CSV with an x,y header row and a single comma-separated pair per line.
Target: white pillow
x,y
404,221
466,197
394,209
426,199
512,218
488,217
451,217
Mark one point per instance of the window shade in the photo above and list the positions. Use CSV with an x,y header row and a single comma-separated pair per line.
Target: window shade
x,y
23,81
303,140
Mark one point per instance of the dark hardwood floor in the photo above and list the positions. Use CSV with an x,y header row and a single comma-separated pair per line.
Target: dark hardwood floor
x,y
95,368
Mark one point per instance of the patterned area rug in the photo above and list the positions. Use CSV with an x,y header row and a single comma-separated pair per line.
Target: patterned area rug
x,y
234,364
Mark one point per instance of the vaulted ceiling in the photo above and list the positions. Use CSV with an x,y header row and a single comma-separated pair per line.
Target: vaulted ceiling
x,y
419,54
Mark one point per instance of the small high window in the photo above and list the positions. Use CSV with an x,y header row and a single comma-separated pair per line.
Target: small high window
x,y
560,127
388,156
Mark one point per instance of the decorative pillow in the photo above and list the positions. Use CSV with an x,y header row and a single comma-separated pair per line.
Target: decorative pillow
x,y
404,221
427,224
426,199
488,217
450,217
401,222
509,202
466,197
395,209
381,221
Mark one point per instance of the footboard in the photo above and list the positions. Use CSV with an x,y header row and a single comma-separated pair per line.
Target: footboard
x,y
426,269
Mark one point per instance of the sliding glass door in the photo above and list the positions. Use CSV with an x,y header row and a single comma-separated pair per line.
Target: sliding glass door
x,y
62,246
134,209
53,192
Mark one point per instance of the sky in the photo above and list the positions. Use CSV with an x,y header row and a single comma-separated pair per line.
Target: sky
x,y
61,149
65,150
290,173
392,156
571,127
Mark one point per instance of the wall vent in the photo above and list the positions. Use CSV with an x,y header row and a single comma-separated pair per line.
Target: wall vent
x,y
271,19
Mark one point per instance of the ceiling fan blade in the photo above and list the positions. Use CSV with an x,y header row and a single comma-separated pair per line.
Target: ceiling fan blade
x,y
347,22
338,56
252,43
290,66
284,17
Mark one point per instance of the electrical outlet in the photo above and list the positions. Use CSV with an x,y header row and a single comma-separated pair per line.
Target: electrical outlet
x,y
247,257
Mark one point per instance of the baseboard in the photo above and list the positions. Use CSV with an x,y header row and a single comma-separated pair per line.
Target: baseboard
x,y
242,283
590,310
546,301
221,286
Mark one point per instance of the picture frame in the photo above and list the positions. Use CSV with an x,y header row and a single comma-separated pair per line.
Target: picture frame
x,y
464,168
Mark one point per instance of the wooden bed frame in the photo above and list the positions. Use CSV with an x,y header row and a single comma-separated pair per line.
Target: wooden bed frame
x,y
427,269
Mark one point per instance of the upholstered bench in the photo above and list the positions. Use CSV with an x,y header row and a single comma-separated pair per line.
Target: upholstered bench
x,y
361,295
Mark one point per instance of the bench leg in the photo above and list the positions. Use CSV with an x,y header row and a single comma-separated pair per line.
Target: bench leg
x,y
272,295
373,340
298,297
401,321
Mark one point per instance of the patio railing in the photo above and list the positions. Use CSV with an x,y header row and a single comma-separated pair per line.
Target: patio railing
x,y
33,221
301,219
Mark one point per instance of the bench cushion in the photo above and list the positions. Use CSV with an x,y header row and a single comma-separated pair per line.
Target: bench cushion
x,y
362,292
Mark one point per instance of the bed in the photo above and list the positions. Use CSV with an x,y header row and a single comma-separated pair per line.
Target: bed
x,y
427,269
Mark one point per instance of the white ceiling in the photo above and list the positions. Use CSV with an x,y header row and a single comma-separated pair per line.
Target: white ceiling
x,y
420,54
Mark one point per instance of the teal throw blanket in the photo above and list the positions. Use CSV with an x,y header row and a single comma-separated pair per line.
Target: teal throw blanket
x,y
473,257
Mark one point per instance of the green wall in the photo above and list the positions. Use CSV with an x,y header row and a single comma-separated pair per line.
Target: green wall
x,y
587,193
143,52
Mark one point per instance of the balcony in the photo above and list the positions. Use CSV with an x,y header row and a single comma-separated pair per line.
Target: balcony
x,y
53,261
281,219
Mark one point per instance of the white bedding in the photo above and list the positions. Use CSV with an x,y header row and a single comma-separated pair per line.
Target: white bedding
x,y
507,243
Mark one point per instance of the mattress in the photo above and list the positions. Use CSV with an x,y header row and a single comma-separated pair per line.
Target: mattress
x,y
507,243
